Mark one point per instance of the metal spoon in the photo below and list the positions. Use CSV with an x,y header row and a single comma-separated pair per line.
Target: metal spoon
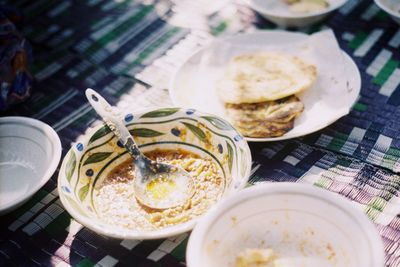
x,y
157,185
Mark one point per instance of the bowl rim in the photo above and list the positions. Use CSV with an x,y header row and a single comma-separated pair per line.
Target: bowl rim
x,y
144,235
53,138
381,5
269,12
197,236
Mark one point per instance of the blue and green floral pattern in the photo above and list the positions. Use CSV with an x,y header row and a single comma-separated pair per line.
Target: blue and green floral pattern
x,y
87,164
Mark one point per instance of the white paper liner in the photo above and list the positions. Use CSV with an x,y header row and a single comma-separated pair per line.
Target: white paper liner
x,y
328,99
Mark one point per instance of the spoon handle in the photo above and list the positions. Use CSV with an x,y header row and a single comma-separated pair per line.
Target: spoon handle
x,y
104,109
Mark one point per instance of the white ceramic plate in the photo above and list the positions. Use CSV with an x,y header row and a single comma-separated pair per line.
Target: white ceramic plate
x,y
29,155
188,88
299,222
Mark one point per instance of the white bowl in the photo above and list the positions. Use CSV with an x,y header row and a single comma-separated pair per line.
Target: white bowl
x,y
29,155
295,220
390,7
273,11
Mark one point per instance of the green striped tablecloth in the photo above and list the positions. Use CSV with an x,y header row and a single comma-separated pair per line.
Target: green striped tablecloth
x,y
128,51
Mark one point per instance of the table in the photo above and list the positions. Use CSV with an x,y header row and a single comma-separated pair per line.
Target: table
x,y
128,51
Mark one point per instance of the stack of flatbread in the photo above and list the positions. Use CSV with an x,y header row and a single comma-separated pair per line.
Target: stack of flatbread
x,y
258,91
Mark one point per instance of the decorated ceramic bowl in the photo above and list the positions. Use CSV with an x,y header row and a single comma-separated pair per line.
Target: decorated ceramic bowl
x,y
98,152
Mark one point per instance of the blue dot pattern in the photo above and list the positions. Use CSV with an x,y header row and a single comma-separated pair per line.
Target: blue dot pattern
x,y
66,189
238,138
190,111
175,132
220,148
128,117
79,146
120,144
89,172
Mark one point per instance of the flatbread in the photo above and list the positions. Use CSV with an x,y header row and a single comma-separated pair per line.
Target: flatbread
x,y
265,119
260,77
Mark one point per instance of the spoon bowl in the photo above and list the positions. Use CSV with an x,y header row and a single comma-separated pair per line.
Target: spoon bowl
x,y
157,185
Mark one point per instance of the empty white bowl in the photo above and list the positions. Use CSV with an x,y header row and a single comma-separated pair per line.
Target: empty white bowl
x,y
277,12
29,155
392,7
299,222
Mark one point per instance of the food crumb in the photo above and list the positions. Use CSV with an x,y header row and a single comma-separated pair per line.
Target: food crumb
x,y
255,257
332,253
234,220
302,247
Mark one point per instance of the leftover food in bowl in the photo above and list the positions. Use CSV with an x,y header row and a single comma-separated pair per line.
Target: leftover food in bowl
x,y
116,203
95,181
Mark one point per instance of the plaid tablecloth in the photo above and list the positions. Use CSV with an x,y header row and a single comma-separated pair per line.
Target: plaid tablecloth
x,y
128,50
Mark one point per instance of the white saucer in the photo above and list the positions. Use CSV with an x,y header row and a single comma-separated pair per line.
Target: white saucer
x,y
29,155
193,86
